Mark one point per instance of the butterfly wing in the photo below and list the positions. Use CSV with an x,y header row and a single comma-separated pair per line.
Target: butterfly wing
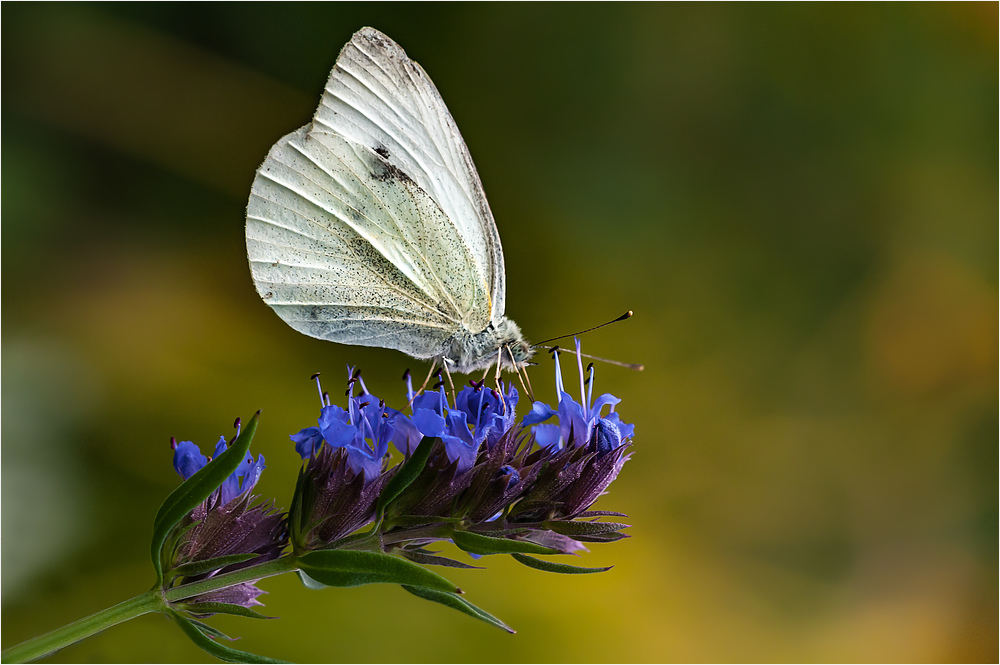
x,y
369,226
345,247
378,97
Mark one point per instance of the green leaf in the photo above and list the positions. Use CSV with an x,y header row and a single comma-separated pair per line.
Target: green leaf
x,y
196,489
211,631
222,608
407,473
432,560
220,651
309,582
355,568
601,537
458,603
196,567
553,567
585,528
479,544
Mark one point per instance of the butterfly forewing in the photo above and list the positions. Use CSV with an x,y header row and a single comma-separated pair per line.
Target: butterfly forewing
x,y
380,98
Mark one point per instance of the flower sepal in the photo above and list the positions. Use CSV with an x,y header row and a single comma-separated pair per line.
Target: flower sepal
x,y
205,637
197,567
582,530
210,608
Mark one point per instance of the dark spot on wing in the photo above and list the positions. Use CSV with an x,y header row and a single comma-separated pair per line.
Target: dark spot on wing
x,y
382,151
384,170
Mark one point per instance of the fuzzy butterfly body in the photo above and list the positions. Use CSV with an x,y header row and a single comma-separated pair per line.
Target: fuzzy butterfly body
x,y
369,225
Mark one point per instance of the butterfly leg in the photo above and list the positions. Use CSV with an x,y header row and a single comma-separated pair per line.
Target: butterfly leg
x,y
517,370
447,372
426,381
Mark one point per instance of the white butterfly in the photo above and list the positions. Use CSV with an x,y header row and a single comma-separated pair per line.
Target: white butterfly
x,y
370,226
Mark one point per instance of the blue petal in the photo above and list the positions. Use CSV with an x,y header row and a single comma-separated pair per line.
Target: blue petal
x,y
307,441
430,401
405,435
428,422
188,459
540,412
548,436
601,402
575,428
458,426
625,429
220,447
335,427
457,449
253,474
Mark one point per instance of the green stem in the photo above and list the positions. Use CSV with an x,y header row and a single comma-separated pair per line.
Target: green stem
x,y
151,601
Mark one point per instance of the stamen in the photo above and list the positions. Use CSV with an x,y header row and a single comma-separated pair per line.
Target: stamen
x,y
364,388
590,385
325,397
559,381
441,396
367,426
579,365
479,411
315,377
173,443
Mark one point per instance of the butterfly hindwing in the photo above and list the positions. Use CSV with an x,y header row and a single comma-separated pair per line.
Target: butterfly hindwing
x,y
345,248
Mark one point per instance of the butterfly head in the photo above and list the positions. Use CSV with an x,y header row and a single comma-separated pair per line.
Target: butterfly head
x,y
467,352
520,352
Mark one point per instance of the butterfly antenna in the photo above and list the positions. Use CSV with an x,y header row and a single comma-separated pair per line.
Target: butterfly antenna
x,y
626,315
636,366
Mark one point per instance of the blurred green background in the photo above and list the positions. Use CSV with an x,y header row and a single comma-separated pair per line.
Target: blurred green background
x,y
798,201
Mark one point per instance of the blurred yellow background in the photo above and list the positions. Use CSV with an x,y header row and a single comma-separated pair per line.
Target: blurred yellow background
x,y
798,201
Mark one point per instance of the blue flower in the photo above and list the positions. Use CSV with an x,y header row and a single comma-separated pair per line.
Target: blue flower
x,y
363,430
227,523
188,460
581,425
480,415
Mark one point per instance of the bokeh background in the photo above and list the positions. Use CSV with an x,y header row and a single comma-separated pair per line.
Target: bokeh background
x,y
799,203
